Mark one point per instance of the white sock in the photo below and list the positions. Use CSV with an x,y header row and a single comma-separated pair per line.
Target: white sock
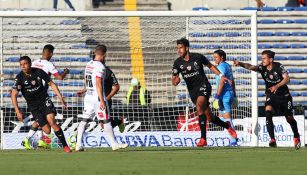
x,y
30,133
109,133
81,129
40,134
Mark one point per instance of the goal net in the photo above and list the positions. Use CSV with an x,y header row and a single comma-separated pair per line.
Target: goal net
x,y
141,45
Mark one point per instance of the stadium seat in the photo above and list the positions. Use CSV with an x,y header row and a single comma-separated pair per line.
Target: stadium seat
x,y
295,82
242,95
265,34
212,46
261,94
244,71
200,9
296,57
61,83
51,94
282,33
300,8
55,59
242,82
244,58
230,58
214,34
232,34
244,46
304,94
299,33
247,22
79,46
295,70
261,82
75,71
280,58
197,34
7,71
264,46
233,21
75,83
268,9
183,96
304,82
285,9
8,83
298,46
196,46
305,70
12,59
280,46
301,21
70,22
84,59
69,94
284,21
267,21
229,46
249,8
68,59
295,94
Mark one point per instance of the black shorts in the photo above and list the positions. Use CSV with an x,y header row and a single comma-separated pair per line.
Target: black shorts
x,y
203,90
283,103
40,112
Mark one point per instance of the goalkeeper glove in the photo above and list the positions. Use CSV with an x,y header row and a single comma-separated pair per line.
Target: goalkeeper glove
x,y
235,102
216,102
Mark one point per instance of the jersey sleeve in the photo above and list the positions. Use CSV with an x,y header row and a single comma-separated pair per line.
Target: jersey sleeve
x,y
52,69
223,69
17,84
176,69
281,69
204,60
259,68
99,71
44,76
114,79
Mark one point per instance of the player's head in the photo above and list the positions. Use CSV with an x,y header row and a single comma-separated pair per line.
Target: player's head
x,y
219,56
100,53
48,51
183,47
267,57
25,63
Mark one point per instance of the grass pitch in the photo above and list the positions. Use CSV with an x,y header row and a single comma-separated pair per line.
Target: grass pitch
x,y
156,161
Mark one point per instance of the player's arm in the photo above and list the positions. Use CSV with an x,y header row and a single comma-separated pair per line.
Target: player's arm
x,y
63,75
215,70
282,83
56,90
14,94
82,91
115,86
100,90
245,65
175,77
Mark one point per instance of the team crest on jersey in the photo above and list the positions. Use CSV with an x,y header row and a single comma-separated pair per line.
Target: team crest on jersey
x,y
33,82
189,67
271,77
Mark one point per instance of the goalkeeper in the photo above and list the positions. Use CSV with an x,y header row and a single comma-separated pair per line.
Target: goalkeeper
x,y
226,94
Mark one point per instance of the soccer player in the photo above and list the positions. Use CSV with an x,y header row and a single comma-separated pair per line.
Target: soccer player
x,y
190,65
44,64
111,87
277,93
226,94
95,103
30,81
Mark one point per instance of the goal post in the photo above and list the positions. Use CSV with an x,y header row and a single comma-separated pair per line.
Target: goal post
x,y
141,44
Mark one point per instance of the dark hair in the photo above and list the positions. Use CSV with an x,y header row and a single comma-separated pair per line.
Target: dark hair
x,y
25,58
269,53
101,48
48,47
221,53
184,42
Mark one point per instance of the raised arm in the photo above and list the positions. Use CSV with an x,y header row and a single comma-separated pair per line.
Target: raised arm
x,y
245,65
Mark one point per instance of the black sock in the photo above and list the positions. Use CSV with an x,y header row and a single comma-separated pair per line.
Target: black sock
x,y
61,137
293,125
269,123
202,125
219,122
115,122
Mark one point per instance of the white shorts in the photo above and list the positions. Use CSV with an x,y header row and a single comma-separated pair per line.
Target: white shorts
x,y
92,109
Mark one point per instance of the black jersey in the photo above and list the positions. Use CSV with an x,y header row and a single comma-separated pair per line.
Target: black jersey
x,y
273,77
32,86
192,71
109,81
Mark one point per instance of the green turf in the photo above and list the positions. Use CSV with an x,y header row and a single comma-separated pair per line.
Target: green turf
x,y
156,161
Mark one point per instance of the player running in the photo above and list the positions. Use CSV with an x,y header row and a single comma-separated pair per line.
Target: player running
x,y
44,64
190,65
225,96
95,103
277,93
30,81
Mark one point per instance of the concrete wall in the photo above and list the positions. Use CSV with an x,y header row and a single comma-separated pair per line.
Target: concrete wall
x,y
37,4
223,4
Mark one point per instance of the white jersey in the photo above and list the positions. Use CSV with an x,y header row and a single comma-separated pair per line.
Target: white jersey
x,y
46,66
94,69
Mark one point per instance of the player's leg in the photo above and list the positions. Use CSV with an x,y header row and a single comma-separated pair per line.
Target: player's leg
x,y
70,5
26,142
202,120
269,120
103,116
116,121
286,108
55,4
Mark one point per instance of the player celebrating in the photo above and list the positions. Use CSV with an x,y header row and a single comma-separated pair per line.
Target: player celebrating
x,y
30,81
190,65
94,75
225,96
277,93
44,64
